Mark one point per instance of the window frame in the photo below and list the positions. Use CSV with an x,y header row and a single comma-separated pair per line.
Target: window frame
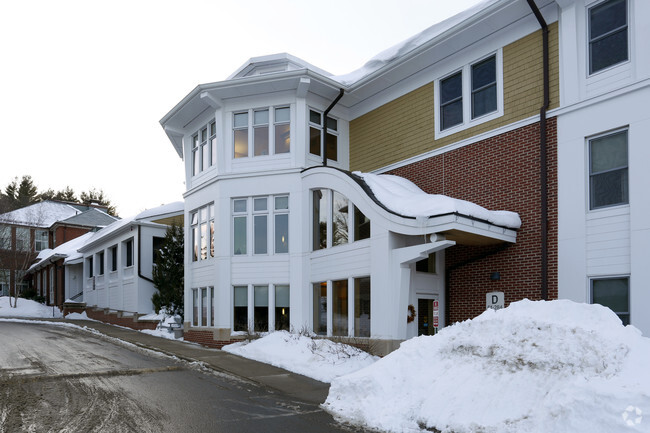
x,y
590,175
197,221
613,277
625,28
328,199
204,147
334,132
468,120
250,216
271,125
41,236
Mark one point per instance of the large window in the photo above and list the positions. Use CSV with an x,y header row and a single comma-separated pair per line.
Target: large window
x,y
340,308
203,306
22,239
270,307
320,308
5,237
330,214
467,96
202,228
127,248
316,143
282,310
5,281
41,240
613,293
240,308
269,217
261,132
608,40
608,170
204,148
362,307
339,316
261,308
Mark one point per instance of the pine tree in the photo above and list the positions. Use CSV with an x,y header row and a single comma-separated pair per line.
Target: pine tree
x,y
94,196
168,273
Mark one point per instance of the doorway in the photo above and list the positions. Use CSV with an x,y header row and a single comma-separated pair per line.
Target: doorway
x,y
428,316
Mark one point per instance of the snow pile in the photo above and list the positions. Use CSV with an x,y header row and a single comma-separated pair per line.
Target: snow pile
x,y
27,308
554,366
319,359
80,316
404,197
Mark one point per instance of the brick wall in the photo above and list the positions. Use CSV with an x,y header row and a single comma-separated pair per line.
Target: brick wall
x,y
500,173
205,338
116,318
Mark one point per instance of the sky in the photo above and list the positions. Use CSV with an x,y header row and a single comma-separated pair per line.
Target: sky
x,y
84,84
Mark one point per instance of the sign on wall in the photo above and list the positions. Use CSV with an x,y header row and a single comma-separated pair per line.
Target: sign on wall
x,y
435,314
494,300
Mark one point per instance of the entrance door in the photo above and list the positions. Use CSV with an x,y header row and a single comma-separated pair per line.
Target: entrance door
x,y
426,317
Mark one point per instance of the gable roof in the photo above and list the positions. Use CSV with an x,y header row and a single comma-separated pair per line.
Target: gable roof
x,y
90,218
42,214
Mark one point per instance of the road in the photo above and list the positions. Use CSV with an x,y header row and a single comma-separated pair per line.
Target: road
x,y
64,379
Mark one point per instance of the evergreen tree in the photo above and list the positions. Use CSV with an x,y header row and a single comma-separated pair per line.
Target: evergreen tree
x,y
94,196
168,272
21,194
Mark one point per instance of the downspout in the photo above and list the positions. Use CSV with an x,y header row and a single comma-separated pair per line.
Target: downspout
x,y
340,95
139,256
543,166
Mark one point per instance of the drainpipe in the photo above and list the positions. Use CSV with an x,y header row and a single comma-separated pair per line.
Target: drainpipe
x,y
341,91
140,255
542,147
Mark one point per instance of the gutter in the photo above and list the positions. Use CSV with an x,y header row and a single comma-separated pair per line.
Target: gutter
x,y
543,165
325,113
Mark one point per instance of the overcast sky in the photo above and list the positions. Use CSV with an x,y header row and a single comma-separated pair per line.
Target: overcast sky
x,y
83,84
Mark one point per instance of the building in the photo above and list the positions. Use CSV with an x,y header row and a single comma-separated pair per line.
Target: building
x,y
36,229
488,107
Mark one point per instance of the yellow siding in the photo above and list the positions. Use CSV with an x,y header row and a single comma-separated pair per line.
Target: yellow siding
x,y
405,127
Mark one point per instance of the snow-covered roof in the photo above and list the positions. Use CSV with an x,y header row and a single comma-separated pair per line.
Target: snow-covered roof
x,y
281,62
65,250
90,218
42,214
176,207
405,198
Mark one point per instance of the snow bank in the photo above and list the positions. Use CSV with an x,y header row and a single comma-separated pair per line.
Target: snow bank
x,y
27,308
554,366
404,197
319,359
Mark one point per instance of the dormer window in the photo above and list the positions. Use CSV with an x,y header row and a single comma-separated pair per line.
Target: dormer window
x,y
253,135
204,148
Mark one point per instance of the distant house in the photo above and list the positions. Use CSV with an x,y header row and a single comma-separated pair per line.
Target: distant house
x,y
532,107
27,232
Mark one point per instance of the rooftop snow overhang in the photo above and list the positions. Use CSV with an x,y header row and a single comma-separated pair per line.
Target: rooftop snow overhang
x,y
110,234
207,97
463,229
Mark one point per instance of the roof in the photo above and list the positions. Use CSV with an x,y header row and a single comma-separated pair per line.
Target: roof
x,y
90,218
166,210
63,251
42,214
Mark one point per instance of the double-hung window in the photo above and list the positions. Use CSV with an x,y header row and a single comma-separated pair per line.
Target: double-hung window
x,y
608,170
41,240
316,143
265,131
608,35
22,239
470,95
202,228
613,293
204,148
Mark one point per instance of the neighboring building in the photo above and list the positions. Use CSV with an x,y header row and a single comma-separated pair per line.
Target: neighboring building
x,y
29,231
280,233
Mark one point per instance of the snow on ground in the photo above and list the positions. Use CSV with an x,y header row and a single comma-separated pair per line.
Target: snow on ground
x,y
79,316
27,308
319,359
406,198
555,366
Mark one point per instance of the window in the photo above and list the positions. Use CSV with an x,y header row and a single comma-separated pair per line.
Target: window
x,y
157,243
281,221
127,247
469,96
22,239
340,308
5,237
202,309
40,240
89,267
608,176
204,148
315,135
266,140
204,306
100,263
5,281
613,293
239,226
608,43
113,258
282,310
427,265
362,307
202,228
261,310
320,308
211,289
240,308
195,307
263,212
337,218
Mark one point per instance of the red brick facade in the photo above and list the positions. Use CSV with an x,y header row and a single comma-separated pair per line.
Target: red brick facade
x,y
499,173
205,338
116,318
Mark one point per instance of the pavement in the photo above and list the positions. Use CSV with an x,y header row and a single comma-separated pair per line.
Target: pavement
x,y
274,378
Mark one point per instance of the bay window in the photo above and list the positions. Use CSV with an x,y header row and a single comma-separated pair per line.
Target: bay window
x,y
204,148
202,229
265,131
267,220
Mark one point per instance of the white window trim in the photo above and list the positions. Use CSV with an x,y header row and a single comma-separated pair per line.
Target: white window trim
x,y
320,127
587,174
250,214
199,148
251,132
605,72
468,122
209,211
590,290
